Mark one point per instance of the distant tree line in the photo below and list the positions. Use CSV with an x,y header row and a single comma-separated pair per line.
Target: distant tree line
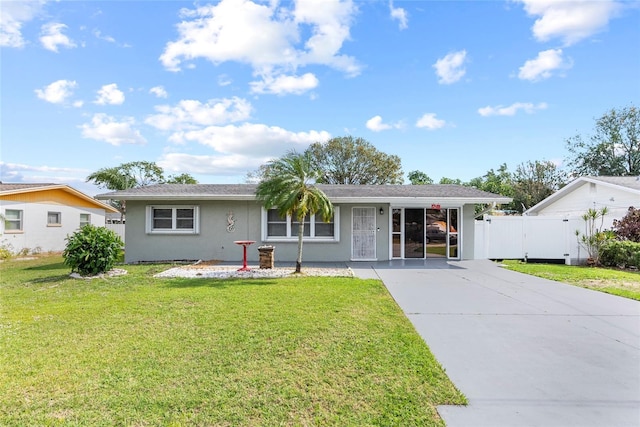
x,y
613,149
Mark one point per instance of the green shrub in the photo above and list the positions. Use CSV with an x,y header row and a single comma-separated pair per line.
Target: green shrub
x,y
92,250
621,253
6,251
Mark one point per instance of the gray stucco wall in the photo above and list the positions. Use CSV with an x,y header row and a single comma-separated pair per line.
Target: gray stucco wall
x,y
215,242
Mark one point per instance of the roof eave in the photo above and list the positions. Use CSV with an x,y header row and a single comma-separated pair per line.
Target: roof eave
x,y
66,188
404,201
172,197
350,199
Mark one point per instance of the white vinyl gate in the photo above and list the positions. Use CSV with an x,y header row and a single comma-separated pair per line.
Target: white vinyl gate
x,y
529,237
118,228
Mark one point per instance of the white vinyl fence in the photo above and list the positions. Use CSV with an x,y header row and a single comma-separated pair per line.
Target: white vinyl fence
x,y
529,237
118,228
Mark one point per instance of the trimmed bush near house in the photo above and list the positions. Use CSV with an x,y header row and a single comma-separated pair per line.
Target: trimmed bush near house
x,y
92,250
621,253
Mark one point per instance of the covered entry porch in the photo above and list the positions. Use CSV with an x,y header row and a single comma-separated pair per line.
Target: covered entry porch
x,y
425,233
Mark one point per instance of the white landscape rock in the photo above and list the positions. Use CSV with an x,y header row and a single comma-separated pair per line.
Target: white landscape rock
x,y
110,273
225,272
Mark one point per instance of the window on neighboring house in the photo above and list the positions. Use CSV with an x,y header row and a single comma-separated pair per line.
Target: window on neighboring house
x,y
85,219
173,219
277,227
54,218
12,220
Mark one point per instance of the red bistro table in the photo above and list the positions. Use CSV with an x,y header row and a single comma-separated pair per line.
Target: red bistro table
x,y
244,244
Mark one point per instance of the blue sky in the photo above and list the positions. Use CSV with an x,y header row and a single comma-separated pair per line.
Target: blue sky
x,y
215,89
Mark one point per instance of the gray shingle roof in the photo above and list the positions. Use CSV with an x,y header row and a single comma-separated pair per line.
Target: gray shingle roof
x,y
247,191
21,186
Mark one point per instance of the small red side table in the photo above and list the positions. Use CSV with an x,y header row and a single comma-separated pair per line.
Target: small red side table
x,y
244,244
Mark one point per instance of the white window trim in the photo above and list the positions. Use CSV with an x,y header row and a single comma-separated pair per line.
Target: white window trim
x,y
149,220
20,221
54,224
87,222
312,225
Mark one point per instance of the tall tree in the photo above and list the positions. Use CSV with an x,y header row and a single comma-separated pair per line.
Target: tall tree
x,y
289,187
133,175
613,149
497,182
445,180
183,178
348,160
128,175
534,182
419,178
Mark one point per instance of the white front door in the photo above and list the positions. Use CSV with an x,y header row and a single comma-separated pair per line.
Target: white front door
x,y
363,234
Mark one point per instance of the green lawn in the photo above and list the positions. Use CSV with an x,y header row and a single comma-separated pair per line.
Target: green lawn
x,y
139,351
617,282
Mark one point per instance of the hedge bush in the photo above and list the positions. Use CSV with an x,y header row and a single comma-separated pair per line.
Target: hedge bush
x,y
92,250
621,253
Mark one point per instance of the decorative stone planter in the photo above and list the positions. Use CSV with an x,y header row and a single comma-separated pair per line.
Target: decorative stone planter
x,y
266,256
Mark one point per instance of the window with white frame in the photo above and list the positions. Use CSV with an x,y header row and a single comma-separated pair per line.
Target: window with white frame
x,y
173,219
54,218
276,227
85,219
12,221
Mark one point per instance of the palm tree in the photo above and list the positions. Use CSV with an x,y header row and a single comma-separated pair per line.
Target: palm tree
x,y
289,187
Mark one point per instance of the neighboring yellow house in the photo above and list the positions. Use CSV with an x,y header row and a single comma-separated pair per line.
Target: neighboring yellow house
x,y
38,217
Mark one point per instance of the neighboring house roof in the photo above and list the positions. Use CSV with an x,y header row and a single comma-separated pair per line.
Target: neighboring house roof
x,y
630,184
30,192
337,193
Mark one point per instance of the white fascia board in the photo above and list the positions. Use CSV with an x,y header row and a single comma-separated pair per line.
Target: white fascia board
x,y
616,186
420,201
167,197
573,185
396,201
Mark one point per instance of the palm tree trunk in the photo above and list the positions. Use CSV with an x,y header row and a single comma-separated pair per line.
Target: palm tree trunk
x,y
300,235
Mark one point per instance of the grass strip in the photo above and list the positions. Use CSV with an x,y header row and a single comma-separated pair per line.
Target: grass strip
x,y
617,282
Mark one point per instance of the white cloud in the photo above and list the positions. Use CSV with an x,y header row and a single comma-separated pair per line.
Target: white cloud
x,y
543,66
98,34
110,95
191,114
24,173
224,80
229,165
430,122
108,129
14,15
450,69
375,124
51,37
400,14
267,36
512,109
281,85
159,91
57,92
570,21
258,139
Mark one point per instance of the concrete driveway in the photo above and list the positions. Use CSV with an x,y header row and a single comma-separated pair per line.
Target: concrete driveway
x,y
524,350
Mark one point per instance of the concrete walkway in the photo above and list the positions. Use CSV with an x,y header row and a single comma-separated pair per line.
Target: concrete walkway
x,y
524,350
